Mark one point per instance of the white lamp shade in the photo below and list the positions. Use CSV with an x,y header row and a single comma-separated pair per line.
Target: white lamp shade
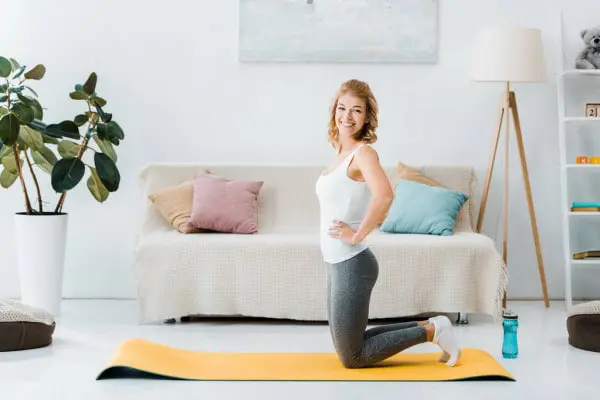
x,y
509,55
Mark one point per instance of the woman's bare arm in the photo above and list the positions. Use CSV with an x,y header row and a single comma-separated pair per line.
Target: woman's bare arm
x,y
367,161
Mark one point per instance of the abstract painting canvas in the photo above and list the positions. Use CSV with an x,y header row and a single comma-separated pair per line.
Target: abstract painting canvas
x,y
373,31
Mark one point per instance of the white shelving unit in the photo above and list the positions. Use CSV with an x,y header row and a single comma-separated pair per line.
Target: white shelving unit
x,y
576,137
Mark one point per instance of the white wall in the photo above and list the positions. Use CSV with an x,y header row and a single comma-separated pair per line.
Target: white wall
x,y
170,73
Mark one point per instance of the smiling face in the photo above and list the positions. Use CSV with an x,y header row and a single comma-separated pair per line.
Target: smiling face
x,y
350,115
353,114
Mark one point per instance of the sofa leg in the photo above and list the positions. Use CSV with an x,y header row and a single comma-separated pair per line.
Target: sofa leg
x,y
170,321
463,318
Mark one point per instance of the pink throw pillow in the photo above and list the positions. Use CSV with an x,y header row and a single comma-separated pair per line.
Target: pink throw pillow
x,y
225,205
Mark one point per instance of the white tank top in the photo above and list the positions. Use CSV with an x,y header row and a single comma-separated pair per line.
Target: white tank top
x,y
342,198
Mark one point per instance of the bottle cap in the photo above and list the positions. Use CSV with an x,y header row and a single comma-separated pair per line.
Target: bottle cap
x,y
510,315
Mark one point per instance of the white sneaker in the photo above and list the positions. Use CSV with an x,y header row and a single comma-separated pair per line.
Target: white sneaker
x,y
444,338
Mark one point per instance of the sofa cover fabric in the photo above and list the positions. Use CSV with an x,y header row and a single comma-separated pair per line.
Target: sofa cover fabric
x,y
278,272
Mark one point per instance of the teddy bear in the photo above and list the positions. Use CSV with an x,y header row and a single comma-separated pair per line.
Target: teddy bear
x,y
589,57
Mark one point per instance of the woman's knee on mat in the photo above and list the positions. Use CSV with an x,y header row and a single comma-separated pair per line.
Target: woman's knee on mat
x,y
351,361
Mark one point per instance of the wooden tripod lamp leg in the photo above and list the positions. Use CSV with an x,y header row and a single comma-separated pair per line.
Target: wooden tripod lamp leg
x,y
504,111
538,251
506,181
490,168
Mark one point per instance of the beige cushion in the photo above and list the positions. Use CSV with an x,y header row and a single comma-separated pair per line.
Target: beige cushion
x,y
175,204
405,172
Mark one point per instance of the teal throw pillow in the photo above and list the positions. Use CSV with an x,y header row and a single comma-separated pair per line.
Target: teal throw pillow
x,y
422,209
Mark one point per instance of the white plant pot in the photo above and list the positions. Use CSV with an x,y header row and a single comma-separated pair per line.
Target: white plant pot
x,y
41,243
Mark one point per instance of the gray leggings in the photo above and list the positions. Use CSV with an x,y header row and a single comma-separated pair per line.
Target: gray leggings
x,y
349,288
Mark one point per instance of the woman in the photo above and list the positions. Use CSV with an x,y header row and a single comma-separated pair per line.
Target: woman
x,y
354,196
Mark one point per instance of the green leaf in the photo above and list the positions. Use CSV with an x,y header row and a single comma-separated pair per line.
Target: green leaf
x,y
106,147
41,162
5,67
97,101
19,71
45,159
4,151
32,91
38,125
102,130
78,95
16,89
66,174
3,87
23,112
111,132
107,171
65,128
80,119
67,149
38,112
90,85
48,155
32,138
49,139
96,187
10,164
9,129
15,64
115,131
25,99
7,178
106,117
36,72
3,98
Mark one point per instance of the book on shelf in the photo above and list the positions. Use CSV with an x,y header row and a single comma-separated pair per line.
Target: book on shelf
x,y
585,209
585,204
586,254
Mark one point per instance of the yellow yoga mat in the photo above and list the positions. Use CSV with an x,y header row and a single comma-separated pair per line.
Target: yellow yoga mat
x,y
138,358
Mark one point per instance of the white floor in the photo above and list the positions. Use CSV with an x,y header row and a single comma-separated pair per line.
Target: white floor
x,y
88,332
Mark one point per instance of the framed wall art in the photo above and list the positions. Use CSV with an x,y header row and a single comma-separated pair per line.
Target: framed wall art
x,y
362,31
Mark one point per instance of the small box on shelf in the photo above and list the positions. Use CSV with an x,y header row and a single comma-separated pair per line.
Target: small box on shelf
x,y
588,160
592,110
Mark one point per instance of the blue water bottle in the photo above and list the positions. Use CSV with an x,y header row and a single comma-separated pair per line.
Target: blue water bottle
x,y
510,346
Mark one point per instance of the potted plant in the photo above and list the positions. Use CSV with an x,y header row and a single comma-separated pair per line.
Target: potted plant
x,y
27,146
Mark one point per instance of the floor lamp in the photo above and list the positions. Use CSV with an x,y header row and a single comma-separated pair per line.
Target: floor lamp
x,y
510,55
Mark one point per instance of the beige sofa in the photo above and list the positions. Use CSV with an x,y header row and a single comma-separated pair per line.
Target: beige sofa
x,y
278,272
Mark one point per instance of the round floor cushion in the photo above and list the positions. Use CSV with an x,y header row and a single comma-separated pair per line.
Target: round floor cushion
x,y
583,326
23,327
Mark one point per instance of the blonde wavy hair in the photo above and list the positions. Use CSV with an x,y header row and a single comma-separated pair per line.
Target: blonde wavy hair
x,y
361,90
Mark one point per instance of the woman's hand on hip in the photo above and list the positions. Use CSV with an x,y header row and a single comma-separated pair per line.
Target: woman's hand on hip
x,y
341,230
